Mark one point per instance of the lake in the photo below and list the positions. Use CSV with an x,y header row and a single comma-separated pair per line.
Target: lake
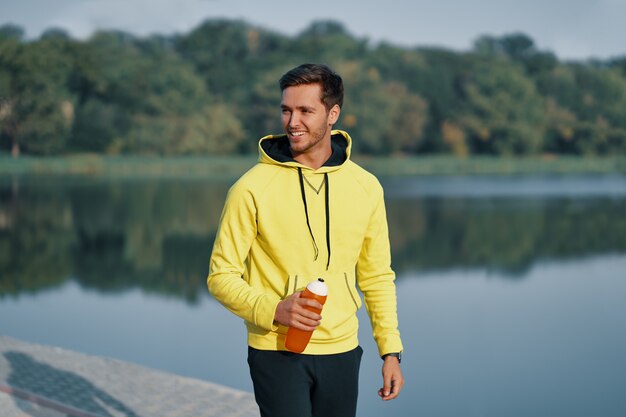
x,y
511,290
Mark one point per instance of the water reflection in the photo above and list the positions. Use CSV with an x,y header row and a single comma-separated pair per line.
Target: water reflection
x,y
157,235
506,234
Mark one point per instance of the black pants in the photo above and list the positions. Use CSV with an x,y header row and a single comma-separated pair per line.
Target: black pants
x,y
288,384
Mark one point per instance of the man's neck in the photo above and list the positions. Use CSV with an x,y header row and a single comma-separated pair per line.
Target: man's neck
x,y
314,159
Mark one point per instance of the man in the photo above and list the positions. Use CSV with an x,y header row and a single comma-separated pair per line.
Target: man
x,y
306,211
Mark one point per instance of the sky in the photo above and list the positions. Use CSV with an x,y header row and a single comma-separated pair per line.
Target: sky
x,y
572,29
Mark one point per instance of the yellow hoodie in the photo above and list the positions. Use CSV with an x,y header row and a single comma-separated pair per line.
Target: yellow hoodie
x,y
284,225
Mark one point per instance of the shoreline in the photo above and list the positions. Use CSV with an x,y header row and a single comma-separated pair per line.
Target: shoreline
x,y
233,166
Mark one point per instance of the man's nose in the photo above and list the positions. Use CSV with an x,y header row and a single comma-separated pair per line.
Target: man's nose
x,y
294,120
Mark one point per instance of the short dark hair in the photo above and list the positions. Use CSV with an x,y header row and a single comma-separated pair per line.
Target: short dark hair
x,y
329,81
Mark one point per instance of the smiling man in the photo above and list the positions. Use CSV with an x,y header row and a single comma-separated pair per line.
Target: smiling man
x,y
306,211
308,123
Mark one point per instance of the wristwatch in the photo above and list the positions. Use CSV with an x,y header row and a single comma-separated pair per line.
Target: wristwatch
x,y
396,354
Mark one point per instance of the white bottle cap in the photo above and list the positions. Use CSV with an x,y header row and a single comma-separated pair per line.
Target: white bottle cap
x,y
318,287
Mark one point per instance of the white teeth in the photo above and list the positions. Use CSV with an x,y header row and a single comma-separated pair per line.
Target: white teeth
x,y
297,133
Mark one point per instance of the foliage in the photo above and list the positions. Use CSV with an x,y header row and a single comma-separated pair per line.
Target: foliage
x,y
214,91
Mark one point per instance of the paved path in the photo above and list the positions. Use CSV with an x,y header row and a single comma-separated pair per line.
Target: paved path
x,y
44,381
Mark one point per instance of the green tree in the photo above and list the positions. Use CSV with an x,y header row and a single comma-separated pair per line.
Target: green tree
x,y
326,41
504,112
151,102
10,48
220,51
185,94
383,117
595,97
520,48
38,109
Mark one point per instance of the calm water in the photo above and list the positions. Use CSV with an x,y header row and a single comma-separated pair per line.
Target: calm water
x,y
511,291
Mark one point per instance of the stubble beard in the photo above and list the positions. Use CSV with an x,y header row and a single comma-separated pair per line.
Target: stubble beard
x,y
316,137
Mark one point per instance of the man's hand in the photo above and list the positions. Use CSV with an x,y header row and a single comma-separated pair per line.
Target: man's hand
x,y
293,312
393,381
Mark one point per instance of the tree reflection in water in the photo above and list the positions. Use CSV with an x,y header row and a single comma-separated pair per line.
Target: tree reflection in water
x,y
157,234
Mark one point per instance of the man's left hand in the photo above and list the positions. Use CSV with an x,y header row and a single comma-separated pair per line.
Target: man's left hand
x,y
393,381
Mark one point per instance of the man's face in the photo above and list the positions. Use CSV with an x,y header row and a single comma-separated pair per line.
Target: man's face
x,y
305,119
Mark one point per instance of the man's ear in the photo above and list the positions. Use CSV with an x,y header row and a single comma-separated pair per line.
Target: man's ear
x,y
333,114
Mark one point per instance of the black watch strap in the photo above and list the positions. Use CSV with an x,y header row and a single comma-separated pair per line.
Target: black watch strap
x,y
396,354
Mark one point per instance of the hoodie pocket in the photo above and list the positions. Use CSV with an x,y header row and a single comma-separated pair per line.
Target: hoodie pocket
x,y
339,319
294,283
350,281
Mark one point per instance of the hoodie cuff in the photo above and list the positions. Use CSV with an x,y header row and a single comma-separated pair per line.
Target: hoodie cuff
x,y
264,317
389,344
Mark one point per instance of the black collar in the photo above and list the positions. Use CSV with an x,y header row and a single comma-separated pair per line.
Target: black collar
x,y
278,149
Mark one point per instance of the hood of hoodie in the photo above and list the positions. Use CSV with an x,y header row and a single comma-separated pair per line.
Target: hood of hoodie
x,y
274,149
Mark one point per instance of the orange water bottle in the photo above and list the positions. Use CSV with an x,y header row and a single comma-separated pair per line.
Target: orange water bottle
x,y
298,339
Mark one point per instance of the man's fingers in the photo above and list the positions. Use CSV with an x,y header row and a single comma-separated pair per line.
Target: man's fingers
x,y
395,390
309,302
392,379
389,392
387,386
303,318
294,311
306,324
301,307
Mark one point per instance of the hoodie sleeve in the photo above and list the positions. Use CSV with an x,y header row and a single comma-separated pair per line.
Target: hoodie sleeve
x,y
376,280
237,231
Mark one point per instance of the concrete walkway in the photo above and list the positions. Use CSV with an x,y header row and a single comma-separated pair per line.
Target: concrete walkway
x,y
44,381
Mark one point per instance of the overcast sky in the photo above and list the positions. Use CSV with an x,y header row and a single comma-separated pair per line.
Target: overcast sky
x,y
574,29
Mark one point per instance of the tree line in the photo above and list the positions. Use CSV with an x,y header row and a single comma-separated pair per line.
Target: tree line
x,y
214,90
